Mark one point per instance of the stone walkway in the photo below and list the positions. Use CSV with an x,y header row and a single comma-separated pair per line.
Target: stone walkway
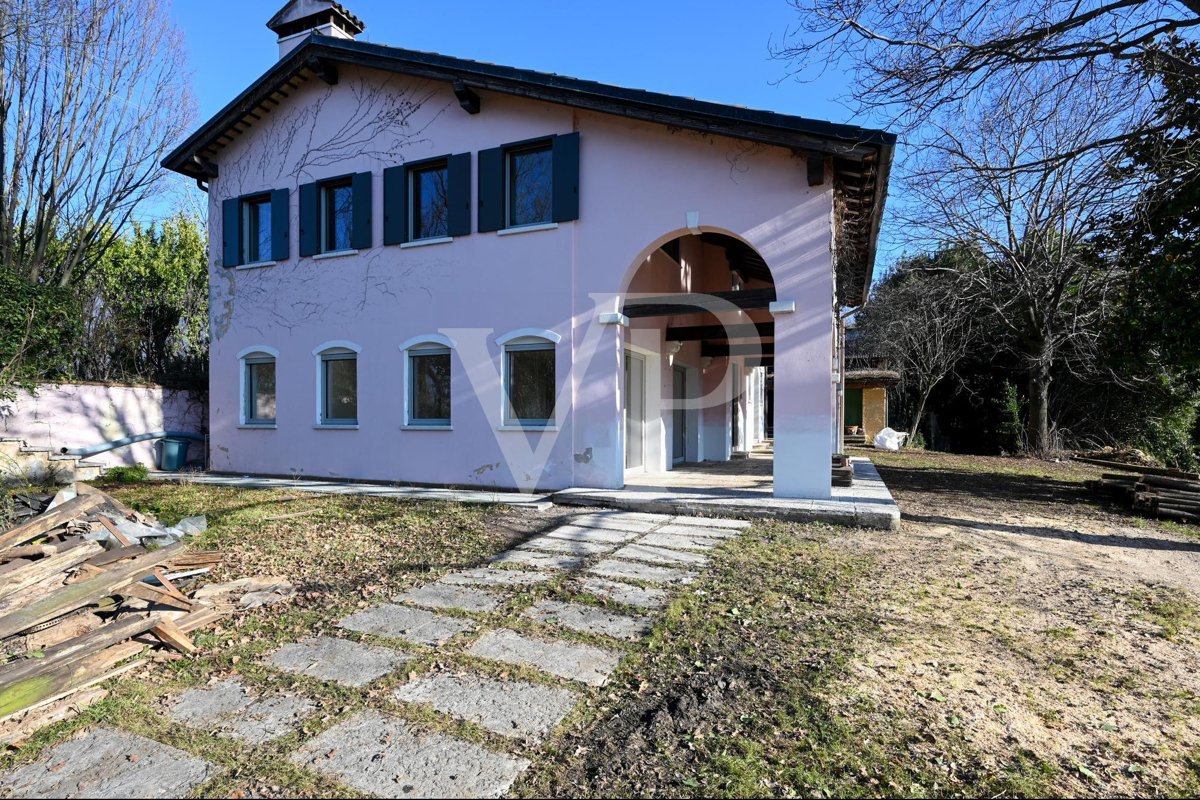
x,y
634,560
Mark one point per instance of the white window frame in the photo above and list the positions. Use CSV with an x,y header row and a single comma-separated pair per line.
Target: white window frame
x,y
328,351
427,344
526,339
256,354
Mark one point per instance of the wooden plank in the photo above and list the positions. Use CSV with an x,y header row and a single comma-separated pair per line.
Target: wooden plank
x,y
44,523
29,551
38,571
69,598
155,594
119,554
696,333
170,634
1164,471
676,304
112,528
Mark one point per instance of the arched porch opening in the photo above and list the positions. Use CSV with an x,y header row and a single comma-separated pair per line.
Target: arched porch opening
x,y
698,360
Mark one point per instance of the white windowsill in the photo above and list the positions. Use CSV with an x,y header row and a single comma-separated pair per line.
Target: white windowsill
x,y
528,428
246,427
335,427
255,265
411,427
334,254
426,242
544,226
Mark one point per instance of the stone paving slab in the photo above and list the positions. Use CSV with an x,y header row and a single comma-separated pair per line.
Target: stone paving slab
x,y
697,530
401,622
611,568
589,619
269,718
617,522
380,755
712,522
329,659
109,763
627,593
661,555
508,707
568,546
529,558
486,576
209,706
444,596
577,533
570,660
631,515
679,541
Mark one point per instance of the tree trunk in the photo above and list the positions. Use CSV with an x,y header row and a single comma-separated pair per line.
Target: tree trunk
x,y
915,428
1039,409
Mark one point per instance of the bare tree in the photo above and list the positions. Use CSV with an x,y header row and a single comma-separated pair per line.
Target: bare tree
x,y
1041,277
923,321
914,61
92,95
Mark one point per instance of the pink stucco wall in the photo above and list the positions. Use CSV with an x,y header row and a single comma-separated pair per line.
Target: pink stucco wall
x,y
84,414
638,181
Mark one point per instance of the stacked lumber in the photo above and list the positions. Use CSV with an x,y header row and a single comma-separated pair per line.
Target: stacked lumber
x,y
1164,496
81,595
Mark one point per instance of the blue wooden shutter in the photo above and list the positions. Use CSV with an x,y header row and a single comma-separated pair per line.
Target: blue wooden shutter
x,y
491,189
360,231
280,223
310,220
566,177
395,205
458,168
231,232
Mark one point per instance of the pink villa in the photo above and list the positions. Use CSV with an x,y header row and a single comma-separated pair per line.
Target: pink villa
x,y
429,270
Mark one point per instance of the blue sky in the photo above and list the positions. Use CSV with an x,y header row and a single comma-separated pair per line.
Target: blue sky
x,y
701,48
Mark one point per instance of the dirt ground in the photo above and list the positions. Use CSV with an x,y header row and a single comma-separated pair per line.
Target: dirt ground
x,y
1022,616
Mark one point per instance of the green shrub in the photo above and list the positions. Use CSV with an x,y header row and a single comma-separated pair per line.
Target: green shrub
x,y
1010,434
135,474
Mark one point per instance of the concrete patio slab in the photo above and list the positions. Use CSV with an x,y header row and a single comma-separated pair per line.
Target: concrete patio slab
x,y
268,718
207,707
568,546
511,708
570,660
866,504
714,534
437,595
712,522
520,500
660,555
679,541
618,522
401,622
487,576
528,558
341,660
628,570
380,755
625,593
589,619
109,763
578,533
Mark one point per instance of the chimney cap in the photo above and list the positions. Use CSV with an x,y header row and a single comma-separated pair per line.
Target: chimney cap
x,y
299,16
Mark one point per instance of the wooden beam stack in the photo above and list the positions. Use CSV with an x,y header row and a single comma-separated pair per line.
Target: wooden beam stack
x,y
1163,496
73,609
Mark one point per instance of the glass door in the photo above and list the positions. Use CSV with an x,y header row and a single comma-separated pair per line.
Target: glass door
x,y
679,427
635,411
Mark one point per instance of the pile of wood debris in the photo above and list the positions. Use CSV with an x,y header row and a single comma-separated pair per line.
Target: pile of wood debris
x,y
1171,494
86,586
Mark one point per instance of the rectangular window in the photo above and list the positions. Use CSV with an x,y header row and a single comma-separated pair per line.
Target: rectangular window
x,y
260,392
530,384
430,202
530,185
429,386
256,230
340,397
337,216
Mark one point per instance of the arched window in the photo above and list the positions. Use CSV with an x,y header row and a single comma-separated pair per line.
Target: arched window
x,y
427,386
527,373
337,384
258,386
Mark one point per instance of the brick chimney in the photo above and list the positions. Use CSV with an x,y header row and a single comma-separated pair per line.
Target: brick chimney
x,y
299,18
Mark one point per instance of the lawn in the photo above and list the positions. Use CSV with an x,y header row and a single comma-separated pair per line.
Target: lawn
x,y
1012,638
